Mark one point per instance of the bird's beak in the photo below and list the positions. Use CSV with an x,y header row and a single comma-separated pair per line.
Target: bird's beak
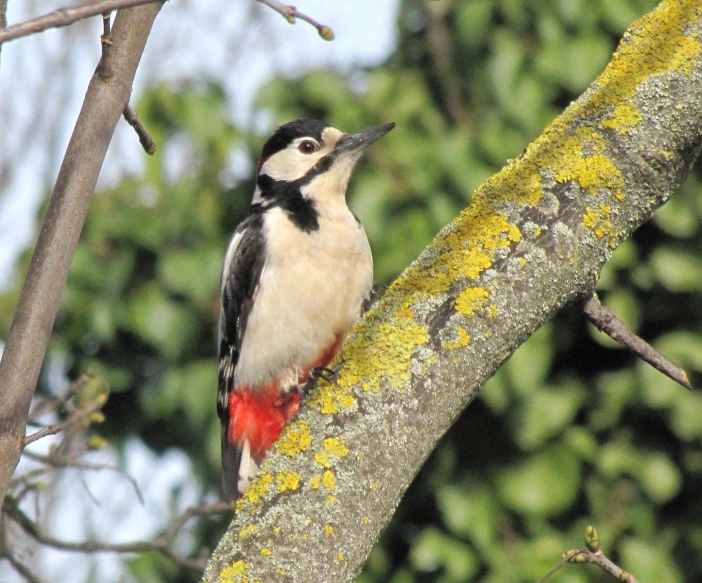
x,y
355,143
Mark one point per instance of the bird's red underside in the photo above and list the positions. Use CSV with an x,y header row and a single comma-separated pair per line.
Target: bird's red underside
x,y
260,413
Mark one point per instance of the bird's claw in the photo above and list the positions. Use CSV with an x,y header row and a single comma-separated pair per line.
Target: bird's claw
x,y
322,372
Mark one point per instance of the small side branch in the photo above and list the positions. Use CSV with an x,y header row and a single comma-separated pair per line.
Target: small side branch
x,y
145,139
593,554
65,17
129,114
606,321
20,568
79,416
162,544
290,13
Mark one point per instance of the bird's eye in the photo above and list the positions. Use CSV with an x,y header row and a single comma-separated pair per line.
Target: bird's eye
x,y
307,147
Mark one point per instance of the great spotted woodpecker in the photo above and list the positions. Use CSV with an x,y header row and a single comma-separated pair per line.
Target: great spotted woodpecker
x,y
296,275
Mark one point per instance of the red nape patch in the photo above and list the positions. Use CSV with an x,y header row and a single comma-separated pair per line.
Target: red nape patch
x,y
261,162
259,416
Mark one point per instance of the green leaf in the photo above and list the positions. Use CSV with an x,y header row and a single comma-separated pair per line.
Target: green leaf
x,y
615,391
686,417
160,321
473,21
546,413
529,366
676,269
470,513
186,389
659,477
434,550
545,484
649,561
192,272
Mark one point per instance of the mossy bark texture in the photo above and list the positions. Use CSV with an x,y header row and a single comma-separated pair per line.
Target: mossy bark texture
x,y
533,239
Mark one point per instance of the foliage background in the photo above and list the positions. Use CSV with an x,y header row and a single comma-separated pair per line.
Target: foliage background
x,y
572,431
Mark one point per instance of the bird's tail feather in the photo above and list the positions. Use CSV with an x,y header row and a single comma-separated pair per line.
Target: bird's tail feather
x,y
239,468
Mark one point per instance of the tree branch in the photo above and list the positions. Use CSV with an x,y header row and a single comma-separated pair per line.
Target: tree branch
x,y
290,13
3,18
66,16
146,141
534,239
605,320
592,554
20,568
162,544
105,100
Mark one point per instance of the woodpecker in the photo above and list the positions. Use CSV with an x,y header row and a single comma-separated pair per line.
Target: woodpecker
x,y
296,275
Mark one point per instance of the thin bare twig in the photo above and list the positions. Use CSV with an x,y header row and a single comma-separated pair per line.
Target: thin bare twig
x,y
57,461
44,432
594,555
65,17
129,114
606,321
161,544
20,568
55,404
145,139
290,13
78,416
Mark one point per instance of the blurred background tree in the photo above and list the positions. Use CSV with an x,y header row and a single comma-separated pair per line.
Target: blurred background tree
x,y
571,431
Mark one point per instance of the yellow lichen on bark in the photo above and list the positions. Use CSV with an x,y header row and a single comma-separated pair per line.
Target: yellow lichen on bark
x,y
463,340
295,439
471,299
248,530
329,479
287,480
334,446
258,488
322,458
236,573
657,43
623,119
598,220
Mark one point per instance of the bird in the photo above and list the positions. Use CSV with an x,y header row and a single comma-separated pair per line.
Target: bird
x,y
297,274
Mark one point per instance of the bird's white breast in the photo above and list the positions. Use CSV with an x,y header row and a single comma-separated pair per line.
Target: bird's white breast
x,y
311,291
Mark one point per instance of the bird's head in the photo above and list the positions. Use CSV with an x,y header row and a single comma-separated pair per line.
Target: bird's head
x,y
312,158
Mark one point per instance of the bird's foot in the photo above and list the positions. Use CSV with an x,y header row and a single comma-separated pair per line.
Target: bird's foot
x,y
322,372
377,292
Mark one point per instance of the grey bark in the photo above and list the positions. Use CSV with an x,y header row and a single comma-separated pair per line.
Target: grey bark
x,y
534,239
107,95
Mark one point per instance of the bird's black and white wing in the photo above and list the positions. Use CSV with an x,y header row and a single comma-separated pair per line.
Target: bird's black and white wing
x,y
241,274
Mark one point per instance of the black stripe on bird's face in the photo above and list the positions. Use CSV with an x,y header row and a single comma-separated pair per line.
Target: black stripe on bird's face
x,y
289,132
306,163
286,195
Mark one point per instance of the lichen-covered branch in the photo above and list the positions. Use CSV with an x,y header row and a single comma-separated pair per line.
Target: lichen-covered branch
x,y
534,238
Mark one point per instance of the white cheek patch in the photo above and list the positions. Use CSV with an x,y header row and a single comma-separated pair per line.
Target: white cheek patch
x,y
290,164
